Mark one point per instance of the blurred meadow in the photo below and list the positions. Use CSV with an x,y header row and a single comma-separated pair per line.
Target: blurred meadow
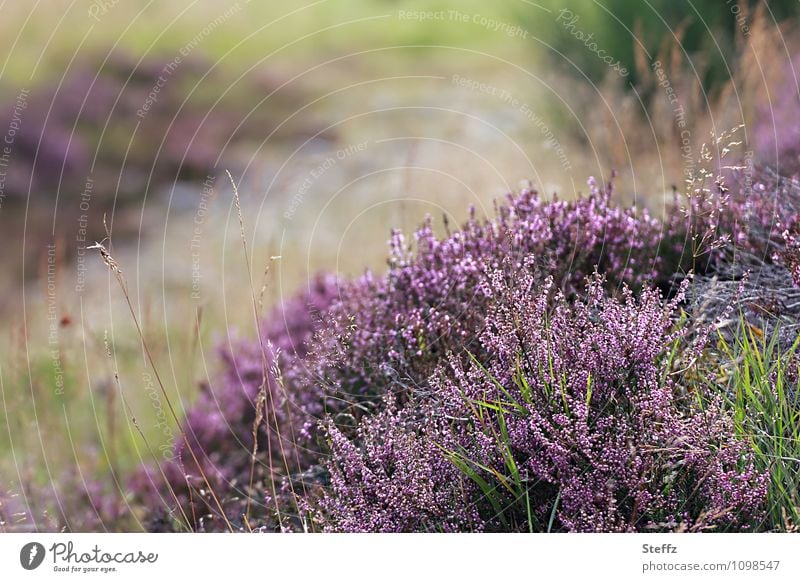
x,y
338,120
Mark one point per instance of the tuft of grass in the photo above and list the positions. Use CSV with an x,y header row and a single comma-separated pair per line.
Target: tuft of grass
x,y
761,385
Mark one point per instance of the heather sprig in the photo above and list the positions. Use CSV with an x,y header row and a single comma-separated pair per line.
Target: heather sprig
x,y
395,479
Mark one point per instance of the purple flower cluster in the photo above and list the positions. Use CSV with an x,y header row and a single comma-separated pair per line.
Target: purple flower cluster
x,y
573,412
391,333
397,479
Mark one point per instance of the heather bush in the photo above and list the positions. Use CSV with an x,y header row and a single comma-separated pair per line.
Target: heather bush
x,y
519,399
391,333
573,420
